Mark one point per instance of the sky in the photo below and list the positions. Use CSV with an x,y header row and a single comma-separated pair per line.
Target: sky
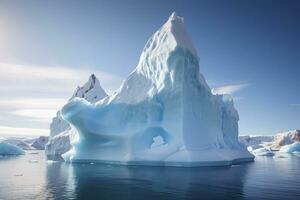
x,y
250,49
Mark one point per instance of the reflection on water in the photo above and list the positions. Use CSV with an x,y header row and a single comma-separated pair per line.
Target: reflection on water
x,y
156,182
60,181
267,178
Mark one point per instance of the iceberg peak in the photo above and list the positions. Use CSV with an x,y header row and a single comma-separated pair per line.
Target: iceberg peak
x,y
177,30
91,90
162,64
61,132
174,17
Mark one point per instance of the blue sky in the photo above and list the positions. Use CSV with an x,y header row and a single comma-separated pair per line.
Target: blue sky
x,y
248,48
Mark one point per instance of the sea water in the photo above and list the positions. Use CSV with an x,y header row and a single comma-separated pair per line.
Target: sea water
x,y
34,177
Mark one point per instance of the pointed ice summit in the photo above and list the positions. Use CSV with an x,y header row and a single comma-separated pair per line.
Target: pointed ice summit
x,y
163,114
60,130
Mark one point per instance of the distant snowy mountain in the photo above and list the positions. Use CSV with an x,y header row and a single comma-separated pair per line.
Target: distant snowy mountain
x,y
255,142
60,130
40,142
286,138
284,142
164,113
27,143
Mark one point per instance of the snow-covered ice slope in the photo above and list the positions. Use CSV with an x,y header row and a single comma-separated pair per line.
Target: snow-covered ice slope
x,y
163,114
61,132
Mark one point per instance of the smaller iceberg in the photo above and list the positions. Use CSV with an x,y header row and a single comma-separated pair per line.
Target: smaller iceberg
x,y
291,148
263,152
10,150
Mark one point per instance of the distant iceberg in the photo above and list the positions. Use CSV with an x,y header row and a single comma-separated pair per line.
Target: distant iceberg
x,y
263,152
164,113
291,148
285,142
10,150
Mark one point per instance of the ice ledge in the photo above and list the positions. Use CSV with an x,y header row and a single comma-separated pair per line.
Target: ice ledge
x,y
171,164
194,159
176,26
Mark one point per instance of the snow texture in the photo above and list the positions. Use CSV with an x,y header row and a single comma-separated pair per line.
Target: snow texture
x,y
163,114
61,132
10,150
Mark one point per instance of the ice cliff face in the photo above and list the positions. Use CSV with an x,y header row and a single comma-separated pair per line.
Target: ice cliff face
x,y
61,133
163,114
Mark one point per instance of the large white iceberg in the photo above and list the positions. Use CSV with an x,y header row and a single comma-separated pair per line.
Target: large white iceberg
x,y
61,133
164,113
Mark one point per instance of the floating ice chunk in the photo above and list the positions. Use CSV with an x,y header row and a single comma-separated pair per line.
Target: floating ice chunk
x,y
9,149
295,147
263,152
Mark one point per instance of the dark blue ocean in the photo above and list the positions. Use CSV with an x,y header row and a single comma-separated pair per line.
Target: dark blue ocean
x,y
33,177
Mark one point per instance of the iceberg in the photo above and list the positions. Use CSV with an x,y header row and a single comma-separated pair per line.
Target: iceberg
x,y
10,150
263,152
19,142
281,140
291,148
27,143
61,133
164,113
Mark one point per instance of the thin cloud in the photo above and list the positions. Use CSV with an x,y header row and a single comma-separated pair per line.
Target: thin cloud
x,y
36,114
17,131
25,103
230,89
34,93
44,78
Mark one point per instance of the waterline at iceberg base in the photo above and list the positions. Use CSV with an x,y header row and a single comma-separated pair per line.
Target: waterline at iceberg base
x,y
164,113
